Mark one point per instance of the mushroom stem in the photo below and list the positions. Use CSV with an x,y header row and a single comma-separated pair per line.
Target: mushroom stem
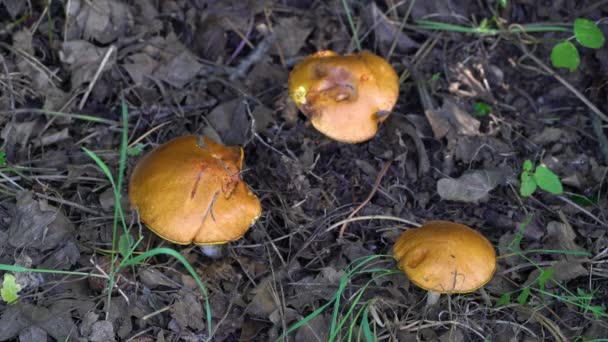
x,y
432,298
212,251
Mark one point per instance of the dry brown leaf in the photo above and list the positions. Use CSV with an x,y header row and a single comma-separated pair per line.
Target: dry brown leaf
x,y
386,31
561,236
100,20
471,187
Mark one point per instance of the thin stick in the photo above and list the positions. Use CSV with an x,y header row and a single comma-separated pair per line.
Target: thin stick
x,y
369,197
565,83
104,61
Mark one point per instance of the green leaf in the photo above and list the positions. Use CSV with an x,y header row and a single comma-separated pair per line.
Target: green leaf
x,y
505,299
528,185
367,332
523,296
10,289
528,166
565,55
588,34
2,158
547,180
585,201
503,3
135,150
482,109
598,311
545,275
124,245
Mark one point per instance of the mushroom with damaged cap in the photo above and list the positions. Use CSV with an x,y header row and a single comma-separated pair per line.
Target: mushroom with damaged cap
x,y
345,97
445,257
189,190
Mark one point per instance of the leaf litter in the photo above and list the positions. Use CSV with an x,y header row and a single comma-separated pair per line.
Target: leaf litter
x,y
221,67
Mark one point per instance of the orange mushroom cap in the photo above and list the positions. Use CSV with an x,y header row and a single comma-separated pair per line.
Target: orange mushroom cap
x,y
345,97
187,193
445,257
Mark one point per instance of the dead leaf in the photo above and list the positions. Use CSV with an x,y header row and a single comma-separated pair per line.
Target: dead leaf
x,y
153,278
231,121
53,138
548,135
452,118
86,324
33,333
263,302
102,331
562,271
14,7
42,80
471,187
139,66
27,280
293,32
210,39
63,258
561,236
317,329
19,132
37,225
12,322
179,70
188,311
386,31
83,59
453,335
101,20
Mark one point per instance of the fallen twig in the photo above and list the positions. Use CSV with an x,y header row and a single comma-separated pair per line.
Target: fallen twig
x,y
369,197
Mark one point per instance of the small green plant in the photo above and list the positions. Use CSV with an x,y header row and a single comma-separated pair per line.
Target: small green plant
x,y
10,289
540,177
135,150
588,34
2,158
481,109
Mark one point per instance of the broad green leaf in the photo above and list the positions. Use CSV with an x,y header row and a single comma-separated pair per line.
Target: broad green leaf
x,y
544,276
10,289
565,55
504,299
528,165
547,180
528,185
523,296
588,34
482,109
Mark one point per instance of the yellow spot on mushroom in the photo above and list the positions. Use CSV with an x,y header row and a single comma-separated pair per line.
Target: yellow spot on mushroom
x,y
300,95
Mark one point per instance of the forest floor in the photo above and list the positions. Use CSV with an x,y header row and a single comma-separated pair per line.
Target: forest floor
x,y
476,101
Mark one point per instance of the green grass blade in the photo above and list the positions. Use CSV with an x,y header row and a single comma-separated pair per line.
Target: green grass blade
x,y
366,330
352,24
15,268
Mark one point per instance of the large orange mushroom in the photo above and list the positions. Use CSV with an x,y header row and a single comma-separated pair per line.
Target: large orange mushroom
x,y
189,190
445,257
345,97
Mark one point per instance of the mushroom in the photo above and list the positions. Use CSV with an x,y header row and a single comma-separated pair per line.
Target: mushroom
x,y
189,190
345,97
445,257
